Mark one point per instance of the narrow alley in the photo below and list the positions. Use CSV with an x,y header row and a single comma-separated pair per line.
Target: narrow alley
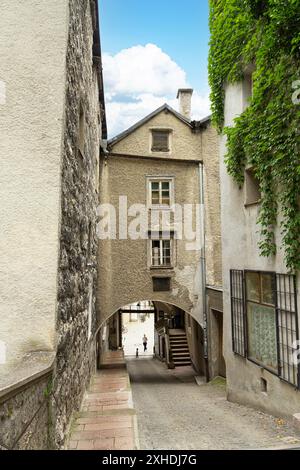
x,y
173,412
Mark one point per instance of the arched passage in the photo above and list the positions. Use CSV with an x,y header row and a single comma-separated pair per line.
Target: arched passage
x,y
178,338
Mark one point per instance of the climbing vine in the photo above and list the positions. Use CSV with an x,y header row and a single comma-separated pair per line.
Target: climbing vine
x,y
266,34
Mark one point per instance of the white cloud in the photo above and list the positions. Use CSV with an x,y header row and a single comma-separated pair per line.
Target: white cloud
x,y
140,79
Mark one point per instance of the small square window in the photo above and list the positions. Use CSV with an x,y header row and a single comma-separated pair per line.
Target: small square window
x,y
161,284
160,141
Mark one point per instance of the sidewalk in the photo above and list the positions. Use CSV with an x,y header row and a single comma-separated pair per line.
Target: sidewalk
x,y
107,419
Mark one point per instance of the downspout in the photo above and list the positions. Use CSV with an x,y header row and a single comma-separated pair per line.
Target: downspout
x,y
203,269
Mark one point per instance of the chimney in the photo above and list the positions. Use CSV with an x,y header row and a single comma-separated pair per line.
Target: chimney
x,y
185,102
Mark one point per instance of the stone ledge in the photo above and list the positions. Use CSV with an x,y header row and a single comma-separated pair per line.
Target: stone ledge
x,y
33,366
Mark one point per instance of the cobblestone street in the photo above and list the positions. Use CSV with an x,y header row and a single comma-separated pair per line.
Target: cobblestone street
x,y
175,413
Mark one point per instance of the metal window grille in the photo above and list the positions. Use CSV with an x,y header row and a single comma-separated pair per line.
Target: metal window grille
x,y
287,328
238,312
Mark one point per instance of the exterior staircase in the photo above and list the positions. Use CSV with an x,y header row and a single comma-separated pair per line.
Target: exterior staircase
x,y
179,348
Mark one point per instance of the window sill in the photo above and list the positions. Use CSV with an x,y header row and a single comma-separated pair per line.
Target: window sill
x,y
156,269
160,208
263,367
254,203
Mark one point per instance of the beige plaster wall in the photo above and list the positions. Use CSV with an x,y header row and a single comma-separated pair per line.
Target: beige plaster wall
x,y
184,144
33,40
240,251
124,274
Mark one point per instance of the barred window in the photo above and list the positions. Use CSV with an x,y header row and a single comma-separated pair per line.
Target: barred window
x,y
265,321
238,312
288,331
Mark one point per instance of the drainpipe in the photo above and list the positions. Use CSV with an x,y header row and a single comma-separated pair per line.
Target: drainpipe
x,y
203,269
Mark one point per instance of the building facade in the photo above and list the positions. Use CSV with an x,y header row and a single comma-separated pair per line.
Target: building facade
x,y
260,295
52,119
256,110
162,168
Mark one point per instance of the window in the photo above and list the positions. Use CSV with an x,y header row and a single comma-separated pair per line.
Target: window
x,y
237,312
160,193
161,284
288,330
161,253
261,319
265,321
160,141
252,188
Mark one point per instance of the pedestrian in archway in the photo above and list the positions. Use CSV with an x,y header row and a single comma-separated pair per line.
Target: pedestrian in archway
x,y
145,341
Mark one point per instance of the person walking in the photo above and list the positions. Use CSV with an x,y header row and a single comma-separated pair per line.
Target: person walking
x,y
145,341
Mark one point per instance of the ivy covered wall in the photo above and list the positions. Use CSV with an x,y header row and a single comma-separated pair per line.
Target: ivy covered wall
x,y
265,34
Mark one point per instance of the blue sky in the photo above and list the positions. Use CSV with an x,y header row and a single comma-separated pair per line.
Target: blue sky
x,y
177,36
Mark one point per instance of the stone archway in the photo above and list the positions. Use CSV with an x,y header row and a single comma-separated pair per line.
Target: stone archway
x,y
178,336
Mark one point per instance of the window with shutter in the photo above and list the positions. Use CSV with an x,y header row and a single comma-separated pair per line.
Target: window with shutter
x,y
160,141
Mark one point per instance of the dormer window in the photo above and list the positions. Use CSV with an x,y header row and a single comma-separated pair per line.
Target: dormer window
x,y
160,140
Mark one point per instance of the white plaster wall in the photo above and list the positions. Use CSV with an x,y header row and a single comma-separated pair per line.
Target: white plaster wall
x,y
240,235
33,41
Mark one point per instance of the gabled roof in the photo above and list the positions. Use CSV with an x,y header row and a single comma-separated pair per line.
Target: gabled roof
x,y
164,107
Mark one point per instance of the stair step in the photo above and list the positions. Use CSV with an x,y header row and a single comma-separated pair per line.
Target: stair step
x,y
182,364
182,358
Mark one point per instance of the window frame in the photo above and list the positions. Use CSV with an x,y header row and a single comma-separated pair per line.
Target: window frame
x,y
167,131
274,371
160,235
161,253
160,179
281,309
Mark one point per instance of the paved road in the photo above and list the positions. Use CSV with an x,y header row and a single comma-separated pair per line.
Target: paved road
x,y
176,413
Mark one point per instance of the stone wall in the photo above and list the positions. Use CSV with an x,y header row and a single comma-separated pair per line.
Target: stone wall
x,y
24,417
76,322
